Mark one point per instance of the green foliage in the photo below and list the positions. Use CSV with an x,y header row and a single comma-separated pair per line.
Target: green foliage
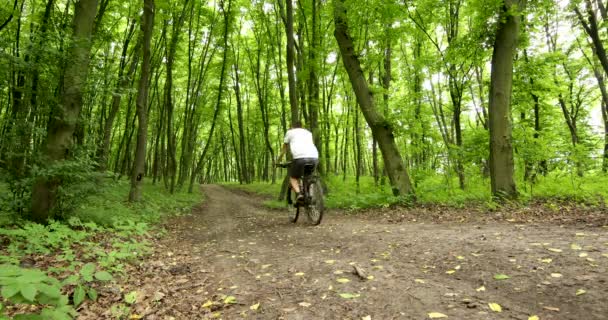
x,y
32,286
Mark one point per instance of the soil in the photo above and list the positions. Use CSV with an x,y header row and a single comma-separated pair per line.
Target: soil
x,y
232,254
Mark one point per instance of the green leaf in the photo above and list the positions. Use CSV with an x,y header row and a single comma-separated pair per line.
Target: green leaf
x,y
103,276
92,293
28,291
79,295
131,297
229,300
71,280
50,291
9,291
501,276
87,272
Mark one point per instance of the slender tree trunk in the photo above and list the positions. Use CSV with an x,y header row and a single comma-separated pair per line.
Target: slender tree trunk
x,y
501,149
381,128
138,171
59,142
291,77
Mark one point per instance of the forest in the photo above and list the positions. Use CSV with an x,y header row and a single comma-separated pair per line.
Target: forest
x,y
113,114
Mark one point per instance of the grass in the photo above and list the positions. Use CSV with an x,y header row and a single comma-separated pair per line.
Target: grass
x,y
439,190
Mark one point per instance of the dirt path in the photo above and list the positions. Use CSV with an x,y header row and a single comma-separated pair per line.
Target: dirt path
x,y
234,250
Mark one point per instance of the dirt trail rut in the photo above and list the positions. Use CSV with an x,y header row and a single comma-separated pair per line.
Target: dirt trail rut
x,y
232,253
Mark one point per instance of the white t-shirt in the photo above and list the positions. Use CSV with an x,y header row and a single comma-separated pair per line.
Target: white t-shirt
x,y
301,143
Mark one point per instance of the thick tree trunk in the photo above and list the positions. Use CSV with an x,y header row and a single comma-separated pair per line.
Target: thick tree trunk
x,y
66,114
501,149
381,128
138,172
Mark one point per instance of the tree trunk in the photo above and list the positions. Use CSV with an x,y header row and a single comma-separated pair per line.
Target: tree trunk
x,y
291,77
138,172
501,149
381,128
66,114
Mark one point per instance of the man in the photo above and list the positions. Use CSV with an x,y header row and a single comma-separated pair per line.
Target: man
x,y
303,152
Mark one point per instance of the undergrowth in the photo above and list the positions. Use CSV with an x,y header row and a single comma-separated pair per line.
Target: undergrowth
x,y
441,190
55,267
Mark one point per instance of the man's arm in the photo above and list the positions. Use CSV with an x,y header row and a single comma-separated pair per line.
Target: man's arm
x,y
283,151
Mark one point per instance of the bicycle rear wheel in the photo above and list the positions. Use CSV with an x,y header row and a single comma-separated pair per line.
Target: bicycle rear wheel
x,y
316,207
293,210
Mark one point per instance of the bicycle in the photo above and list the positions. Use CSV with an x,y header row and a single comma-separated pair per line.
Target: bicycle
x,y
312,191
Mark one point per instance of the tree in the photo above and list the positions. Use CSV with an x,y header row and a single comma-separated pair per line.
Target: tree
x,y
59,143
138,171
381,128
501,149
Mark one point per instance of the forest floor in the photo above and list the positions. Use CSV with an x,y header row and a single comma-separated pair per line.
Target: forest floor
x,y
233,258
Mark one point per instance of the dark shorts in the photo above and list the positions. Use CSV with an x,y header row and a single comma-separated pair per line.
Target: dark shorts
x,y
296,169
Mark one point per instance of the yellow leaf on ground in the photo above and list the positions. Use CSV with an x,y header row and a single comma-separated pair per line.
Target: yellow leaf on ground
x,y
554,250
305,304
580,291
229,300
437,315
266,266
255,306
533,318
556,275
338,272
605,255
136,316
370,277
583,255
207,304
366,318
575,246
460,257
495,307
482,288
299,274
419,281
343,280
330,261
450,271
548,260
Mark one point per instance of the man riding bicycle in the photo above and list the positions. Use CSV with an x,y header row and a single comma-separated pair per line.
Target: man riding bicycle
x,y
303,151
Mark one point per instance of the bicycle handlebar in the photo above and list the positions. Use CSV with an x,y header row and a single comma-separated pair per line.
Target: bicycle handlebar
x,y
284,164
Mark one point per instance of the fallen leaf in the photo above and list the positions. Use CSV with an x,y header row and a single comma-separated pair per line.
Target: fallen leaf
x,y
366,318
419,281
460,257
554,250
551,309
229,300
580,292
495,307
450,271
305,304
575,246
255,307
343,280
482,288
136,316
349,295
501,276
605,255
547,260
266,266
533,318
330,261
556,275
583,255
208,304
437,315
299,274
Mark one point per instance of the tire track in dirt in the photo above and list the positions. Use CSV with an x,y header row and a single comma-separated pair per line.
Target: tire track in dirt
x,y
233,247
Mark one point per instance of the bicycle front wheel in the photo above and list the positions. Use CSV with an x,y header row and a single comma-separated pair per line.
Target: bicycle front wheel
x,y
316,206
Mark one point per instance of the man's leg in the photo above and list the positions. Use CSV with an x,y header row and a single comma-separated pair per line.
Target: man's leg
x,y
294,184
